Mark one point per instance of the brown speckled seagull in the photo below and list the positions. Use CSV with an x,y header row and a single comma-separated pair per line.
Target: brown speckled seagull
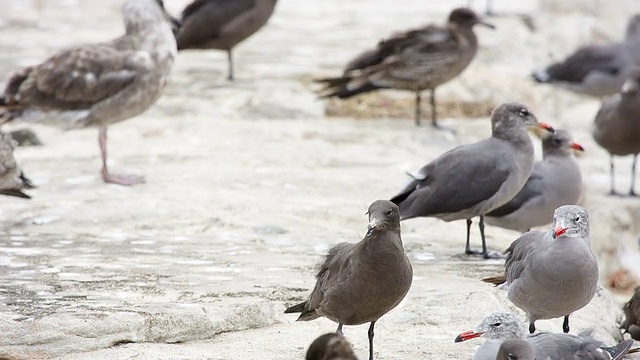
x,y
12,180
222,24
100,84
415,60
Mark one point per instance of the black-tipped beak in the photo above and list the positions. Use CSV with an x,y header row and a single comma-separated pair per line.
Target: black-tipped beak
x,y
487,24
547,127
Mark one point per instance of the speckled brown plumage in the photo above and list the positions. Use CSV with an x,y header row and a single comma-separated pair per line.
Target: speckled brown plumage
x,y
12,180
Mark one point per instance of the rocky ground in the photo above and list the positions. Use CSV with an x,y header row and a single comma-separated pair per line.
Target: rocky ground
x,y
249,183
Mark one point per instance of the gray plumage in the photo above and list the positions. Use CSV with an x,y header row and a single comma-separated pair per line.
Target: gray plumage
x,y
416,60
474,179
515,349
553,273
222,24
617,125
500,327
631,323
596,70
98,85
330,346
554,181
360,282
12,180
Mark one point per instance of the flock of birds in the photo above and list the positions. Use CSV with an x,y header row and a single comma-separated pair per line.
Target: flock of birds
x,y
548,274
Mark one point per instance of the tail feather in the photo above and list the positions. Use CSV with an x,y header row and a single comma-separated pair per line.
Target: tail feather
x,y
634,351
620,350
337,87
305,314
16,193
296,308
495,280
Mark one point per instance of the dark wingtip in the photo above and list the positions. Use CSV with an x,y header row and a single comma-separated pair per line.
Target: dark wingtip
x,y
495,280
298,308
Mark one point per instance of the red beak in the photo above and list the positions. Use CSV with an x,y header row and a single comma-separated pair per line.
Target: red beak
x,y
547,127
576,146
559,231
467,335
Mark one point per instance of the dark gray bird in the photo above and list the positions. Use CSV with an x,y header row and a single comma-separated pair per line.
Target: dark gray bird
x,y
498,328
617,126
360,282
474,179
554,181
596,70
222,24
553,273
330,346
12,179
98,85
515,349
631,310
416,60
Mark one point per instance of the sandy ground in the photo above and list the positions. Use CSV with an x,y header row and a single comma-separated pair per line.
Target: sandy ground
x,y
248,185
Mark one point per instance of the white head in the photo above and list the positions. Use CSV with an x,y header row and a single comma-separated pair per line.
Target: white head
x,y
570,221
497,326
142,14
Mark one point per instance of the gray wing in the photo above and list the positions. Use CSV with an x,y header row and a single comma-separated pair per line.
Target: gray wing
x,y
531,190
337,257
203,20
79,78
604,59
457,180
517,253
566,347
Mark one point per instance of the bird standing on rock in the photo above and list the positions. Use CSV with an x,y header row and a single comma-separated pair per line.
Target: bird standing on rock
x,y
360,282
12,180
554,181
551,274
98,85
472,180
416,60
617,126
222,24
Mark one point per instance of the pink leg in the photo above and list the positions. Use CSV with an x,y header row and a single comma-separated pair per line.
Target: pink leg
x,y
120,179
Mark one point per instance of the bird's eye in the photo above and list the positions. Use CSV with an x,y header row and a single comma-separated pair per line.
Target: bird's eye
x,y
512,357
390,211
496,324
577,219
523,112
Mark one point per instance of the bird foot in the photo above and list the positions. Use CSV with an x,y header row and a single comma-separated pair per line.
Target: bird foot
x,y
613,193
633,193
487,255
122,179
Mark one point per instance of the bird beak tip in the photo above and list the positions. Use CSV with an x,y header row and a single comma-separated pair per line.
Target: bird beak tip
x,y
547,127
464,336
576,146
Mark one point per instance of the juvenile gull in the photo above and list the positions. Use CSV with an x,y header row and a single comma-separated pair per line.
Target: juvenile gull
x,y
617,126
12,180
554,181
631,323
596,70
553,273
498,328
222,24
474,179
330,346
416,60
360,282
100,84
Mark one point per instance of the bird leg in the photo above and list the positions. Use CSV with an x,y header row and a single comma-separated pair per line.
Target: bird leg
x,y
230,59
434,115
119,179
532,327
633,176
418,109
484,242
565,324
339,329
370,333
612,191
467,248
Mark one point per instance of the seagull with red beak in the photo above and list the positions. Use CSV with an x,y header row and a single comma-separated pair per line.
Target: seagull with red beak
x,y
554,181
551,274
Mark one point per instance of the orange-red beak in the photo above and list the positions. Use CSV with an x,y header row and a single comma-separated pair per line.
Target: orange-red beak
x,y
576,146
559,231
547,127
467,335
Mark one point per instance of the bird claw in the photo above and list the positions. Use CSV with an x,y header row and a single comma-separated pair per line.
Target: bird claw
x,y
488,255
123,179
